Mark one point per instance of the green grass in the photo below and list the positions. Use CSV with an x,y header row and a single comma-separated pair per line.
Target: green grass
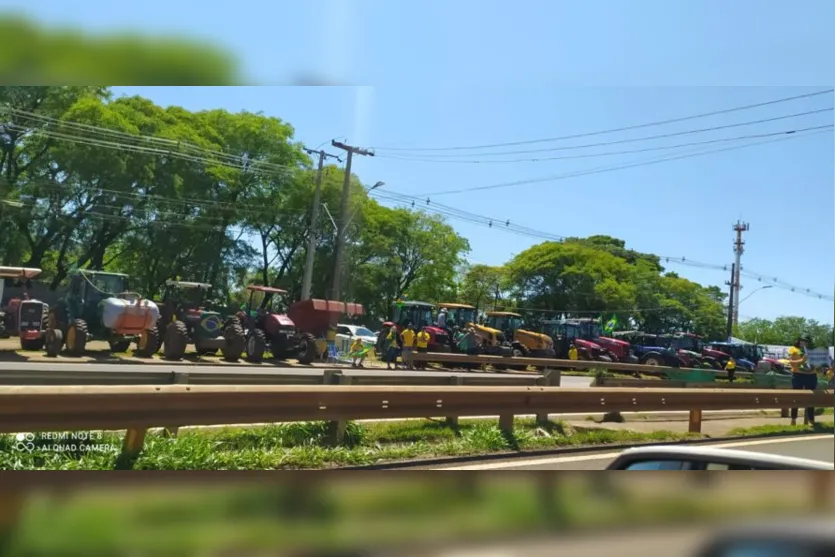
x,y
784,429
306,445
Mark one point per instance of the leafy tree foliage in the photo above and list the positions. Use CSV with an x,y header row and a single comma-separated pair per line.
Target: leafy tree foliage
x,y
784,331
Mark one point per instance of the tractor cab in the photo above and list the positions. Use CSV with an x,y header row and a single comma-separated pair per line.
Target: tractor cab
x,y
565,333
458,315
191,295
523,341
267,309
89,288
23,317
746,355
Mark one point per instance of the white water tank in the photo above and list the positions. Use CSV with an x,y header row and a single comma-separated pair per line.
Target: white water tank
x,y
129,314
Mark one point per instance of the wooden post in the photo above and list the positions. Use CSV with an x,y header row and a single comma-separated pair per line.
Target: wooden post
x,y
339,427
695,421
11,506
178,378
452,421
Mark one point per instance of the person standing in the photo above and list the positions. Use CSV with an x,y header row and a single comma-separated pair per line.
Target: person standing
x,y
422,344
730,367
390,347
804,377
572,352
408,337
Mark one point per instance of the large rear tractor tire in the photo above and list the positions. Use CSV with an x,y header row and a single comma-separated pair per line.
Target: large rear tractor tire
x,y
148,343
77,337
256,345
712,363
235,341
53,342
307,349
176,341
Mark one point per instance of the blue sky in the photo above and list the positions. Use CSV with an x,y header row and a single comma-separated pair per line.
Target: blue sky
x,y
504,76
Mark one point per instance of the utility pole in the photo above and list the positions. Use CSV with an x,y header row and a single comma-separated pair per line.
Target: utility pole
x,y
730,327
307,283
739,228
344,215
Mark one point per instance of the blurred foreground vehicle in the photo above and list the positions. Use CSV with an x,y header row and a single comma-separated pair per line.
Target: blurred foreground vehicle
x,y
709,458
807,539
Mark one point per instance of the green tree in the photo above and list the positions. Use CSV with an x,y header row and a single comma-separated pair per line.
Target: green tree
x,y
35,54
784,331
482,285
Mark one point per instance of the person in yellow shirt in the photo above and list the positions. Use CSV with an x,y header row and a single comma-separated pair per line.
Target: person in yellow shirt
x,y
422,344
358,353
408,338
572,352
730,367
804,377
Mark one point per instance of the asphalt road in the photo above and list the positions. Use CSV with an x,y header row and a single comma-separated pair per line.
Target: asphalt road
x,y
817,447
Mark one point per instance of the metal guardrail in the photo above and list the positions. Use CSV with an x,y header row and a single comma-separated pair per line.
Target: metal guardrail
x,y
507,361
124,374
138,408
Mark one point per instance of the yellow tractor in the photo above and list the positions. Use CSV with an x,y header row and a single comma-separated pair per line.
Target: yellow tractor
x,y
458,315
524,343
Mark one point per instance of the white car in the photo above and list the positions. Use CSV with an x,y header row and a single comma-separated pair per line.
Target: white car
x,y
345,335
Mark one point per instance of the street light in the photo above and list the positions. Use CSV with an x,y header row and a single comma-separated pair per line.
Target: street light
x,y
372,188
755,291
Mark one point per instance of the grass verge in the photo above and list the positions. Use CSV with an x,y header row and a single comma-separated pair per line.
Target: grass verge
x,y
306,446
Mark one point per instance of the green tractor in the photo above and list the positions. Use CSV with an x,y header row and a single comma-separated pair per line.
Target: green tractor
x,y
98,306
185,320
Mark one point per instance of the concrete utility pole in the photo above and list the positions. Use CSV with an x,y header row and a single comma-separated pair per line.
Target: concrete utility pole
x,y
344,214
307,283
731,304
739,228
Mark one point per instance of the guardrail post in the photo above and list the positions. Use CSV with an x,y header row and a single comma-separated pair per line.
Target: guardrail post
x,y
177,378
452,421
331,377
338,427
131,447
695,421
506,424
550,378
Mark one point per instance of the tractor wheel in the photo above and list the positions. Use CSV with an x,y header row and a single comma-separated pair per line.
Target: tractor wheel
x,y
35,344
77,337
604,359
176,341
148,343
307,349
653,360
256,345
53,342
119,345
235,341
3,332
712,363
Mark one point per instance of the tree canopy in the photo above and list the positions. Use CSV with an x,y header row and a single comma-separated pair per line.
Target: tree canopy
x,y
784,331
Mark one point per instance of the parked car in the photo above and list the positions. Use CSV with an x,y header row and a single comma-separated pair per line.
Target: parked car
x,y
345,335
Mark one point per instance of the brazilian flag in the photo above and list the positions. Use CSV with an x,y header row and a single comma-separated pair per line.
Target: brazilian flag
x,y
610,325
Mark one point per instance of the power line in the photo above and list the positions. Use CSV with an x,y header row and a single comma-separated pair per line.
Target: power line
x,y
636,164
613,130
416,203
610,153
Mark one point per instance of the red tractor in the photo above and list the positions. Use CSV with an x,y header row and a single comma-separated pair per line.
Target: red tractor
x,y
565,333
23,317
267,325
619,350
421,316
715,359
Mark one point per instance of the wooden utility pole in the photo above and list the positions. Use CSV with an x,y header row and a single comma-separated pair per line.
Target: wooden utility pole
x,y
336,290
307,282
729,330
